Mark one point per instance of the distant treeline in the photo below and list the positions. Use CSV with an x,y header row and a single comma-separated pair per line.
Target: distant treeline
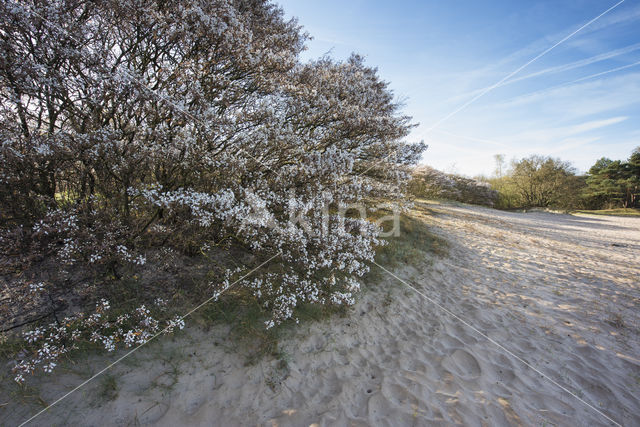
x,y
539,181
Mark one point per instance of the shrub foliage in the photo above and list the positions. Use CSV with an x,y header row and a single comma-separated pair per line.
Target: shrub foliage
x,y
432,183
192,124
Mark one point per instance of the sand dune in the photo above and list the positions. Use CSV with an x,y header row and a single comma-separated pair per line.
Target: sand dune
x,y
560,292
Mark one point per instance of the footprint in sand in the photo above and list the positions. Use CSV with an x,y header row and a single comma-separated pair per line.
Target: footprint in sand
x,y
463,365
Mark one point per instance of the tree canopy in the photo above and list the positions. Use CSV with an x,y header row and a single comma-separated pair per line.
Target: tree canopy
x,y
615,182
543,181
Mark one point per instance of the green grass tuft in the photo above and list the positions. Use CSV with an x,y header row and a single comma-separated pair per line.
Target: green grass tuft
x,y
108,389
415,243
611,212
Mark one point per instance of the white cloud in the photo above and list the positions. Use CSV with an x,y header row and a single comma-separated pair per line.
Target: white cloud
x,y
564,67
574,101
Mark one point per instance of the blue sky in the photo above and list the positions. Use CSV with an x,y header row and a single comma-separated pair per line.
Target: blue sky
x,y
579,102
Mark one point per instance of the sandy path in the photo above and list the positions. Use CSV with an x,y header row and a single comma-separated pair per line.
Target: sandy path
x,y
551,288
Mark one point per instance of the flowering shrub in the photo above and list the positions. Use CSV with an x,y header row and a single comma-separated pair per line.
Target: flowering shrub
x,y
47,344
192,124
429,182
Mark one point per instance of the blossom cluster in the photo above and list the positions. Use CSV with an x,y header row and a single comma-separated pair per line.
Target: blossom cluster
x,y
95,238
47,344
